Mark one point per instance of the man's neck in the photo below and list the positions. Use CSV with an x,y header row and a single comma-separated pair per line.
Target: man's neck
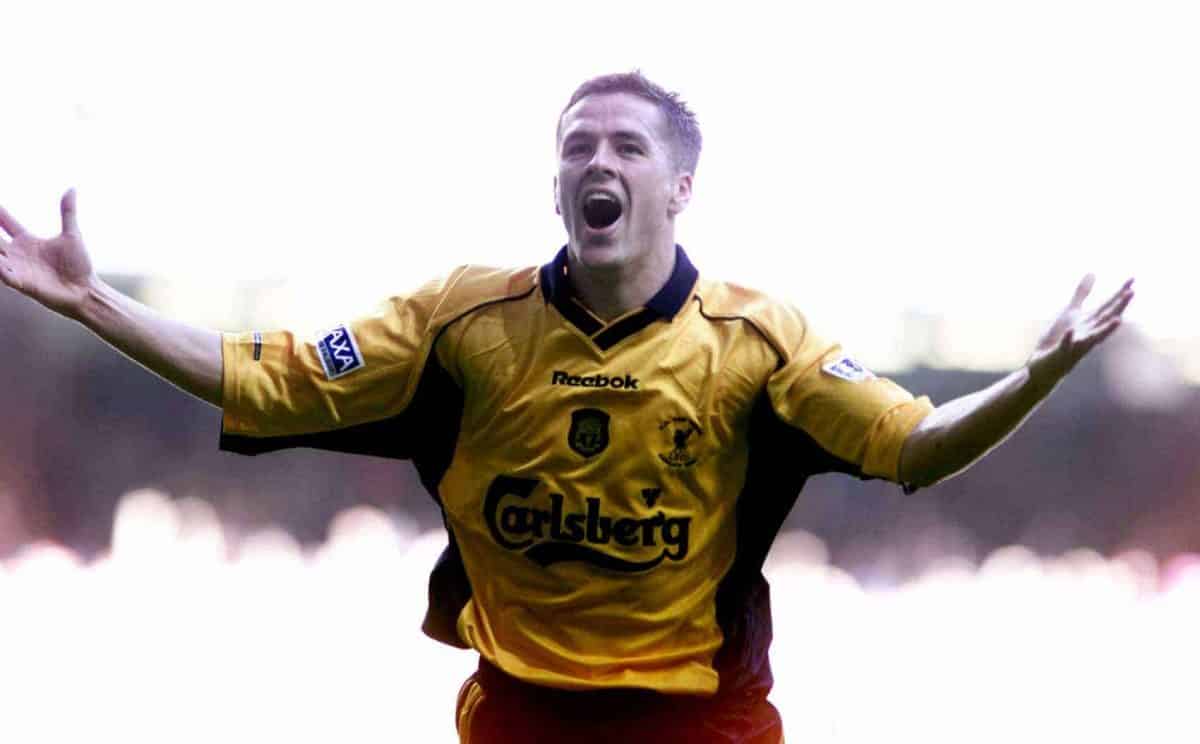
x,y
612,292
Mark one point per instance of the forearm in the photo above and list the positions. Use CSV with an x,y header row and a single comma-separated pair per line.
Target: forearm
x,y
184,355
961,431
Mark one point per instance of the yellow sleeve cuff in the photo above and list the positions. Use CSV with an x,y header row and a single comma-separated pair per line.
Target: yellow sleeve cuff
x,y
887,437
233,345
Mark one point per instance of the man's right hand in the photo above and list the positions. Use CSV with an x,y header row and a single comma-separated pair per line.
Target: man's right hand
x,y
58,273
55,271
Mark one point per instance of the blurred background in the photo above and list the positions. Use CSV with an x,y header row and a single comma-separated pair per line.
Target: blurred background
x,y
928,181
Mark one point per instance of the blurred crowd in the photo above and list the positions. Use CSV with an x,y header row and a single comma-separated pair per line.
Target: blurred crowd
x,y
176,634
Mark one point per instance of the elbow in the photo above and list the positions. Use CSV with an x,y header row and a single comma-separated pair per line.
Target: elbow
x,y
926,468
923,460
917,479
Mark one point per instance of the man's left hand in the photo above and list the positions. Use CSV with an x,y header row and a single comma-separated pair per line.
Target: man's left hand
x,y
1075,332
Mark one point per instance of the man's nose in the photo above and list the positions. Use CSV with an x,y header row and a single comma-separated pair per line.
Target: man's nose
x,y
603,161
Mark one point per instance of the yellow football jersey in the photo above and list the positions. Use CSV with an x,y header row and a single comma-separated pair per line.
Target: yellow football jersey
x,y
610,490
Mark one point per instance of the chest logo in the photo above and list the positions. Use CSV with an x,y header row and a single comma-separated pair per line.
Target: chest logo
x,y
554,533
589,431
628,382
682,436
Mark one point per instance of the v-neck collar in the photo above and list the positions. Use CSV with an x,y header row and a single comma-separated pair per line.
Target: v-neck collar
x,y
664,305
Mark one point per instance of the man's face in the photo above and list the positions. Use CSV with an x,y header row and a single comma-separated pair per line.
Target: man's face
x,y
617,187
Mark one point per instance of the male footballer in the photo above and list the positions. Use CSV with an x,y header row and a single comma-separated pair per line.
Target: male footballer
x,y
614,438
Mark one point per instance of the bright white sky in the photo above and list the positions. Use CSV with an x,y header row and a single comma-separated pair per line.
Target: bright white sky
x,y
869,161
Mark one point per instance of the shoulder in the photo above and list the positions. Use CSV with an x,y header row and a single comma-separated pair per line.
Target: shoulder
x,y
471,286
781,324
466,289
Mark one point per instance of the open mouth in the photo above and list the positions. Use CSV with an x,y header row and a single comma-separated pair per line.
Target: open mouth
x,y
601,210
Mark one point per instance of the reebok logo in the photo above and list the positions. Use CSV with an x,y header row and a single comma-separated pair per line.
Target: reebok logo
x,y
598,380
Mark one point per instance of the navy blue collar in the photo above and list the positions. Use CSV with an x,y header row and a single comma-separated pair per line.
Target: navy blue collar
x,y
665,304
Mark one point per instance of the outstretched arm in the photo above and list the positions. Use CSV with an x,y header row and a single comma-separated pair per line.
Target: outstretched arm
x,y
57,273
959,432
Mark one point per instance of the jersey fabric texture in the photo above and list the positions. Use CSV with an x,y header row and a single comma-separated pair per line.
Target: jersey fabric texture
x,y
610,490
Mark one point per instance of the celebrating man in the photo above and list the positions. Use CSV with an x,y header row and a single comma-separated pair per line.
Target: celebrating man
x,y
614,440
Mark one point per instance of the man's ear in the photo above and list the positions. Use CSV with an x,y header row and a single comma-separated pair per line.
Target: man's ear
x,y
557,207
681,195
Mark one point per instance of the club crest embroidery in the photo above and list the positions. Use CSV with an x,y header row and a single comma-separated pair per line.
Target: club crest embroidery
x,y
589,431
682,435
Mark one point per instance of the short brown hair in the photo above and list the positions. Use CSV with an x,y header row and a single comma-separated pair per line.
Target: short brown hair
x,y
681,122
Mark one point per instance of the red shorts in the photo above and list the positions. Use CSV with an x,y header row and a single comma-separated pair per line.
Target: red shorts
x,y
495,708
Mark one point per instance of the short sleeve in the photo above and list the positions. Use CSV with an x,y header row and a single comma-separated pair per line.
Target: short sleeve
x,y
855,415
278,384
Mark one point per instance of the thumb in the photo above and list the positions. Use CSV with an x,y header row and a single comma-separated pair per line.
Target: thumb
x,y
67,208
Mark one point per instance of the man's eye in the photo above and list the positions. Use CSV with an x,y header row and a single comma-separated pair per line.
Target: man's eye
x,y
630,149
577,149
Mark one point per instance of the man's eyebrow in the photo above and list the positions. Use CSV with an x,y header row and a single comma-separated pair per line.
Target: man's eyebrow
x,y
628,134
